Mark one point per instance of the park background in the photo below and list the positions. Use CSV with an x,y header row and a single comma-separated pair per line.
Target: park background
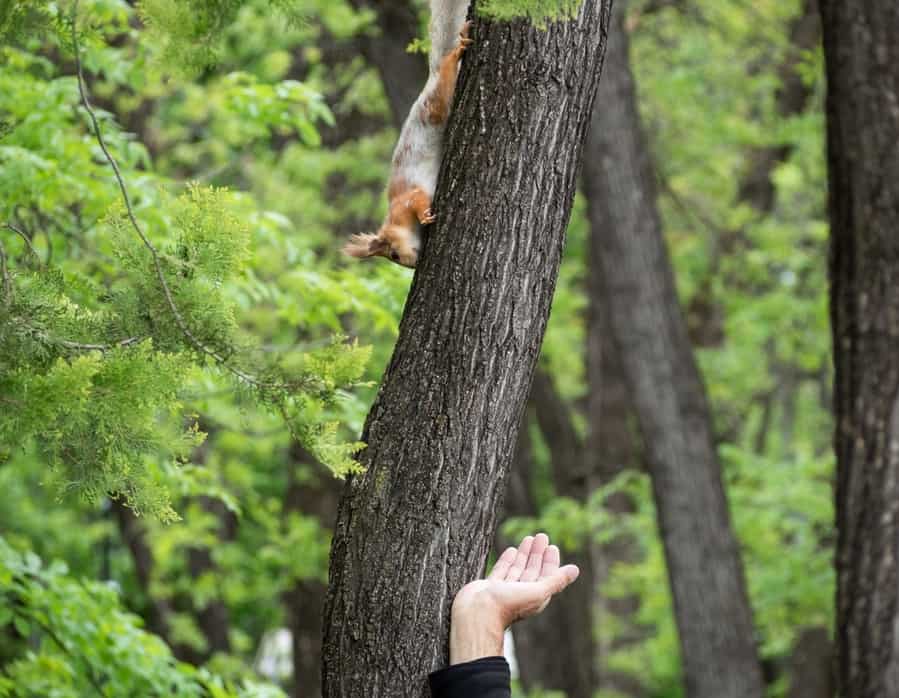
x,y
253,137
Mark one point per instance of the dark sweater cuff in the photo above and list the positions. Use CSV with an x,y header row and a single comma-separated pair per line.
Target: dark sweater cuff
x,y
488,677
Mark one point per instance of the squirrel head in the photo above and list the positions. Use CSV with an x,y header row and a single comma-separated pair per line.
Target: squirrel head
x,y
398,244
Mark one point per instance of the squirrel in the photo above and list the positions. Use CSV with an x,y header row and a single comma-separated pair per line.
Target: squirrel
x,y
419,149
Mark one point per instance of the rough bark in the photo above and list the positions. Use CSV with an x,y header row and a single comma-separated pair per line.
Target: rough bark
x,y
862,60
417,524
537,667
705,574
810,665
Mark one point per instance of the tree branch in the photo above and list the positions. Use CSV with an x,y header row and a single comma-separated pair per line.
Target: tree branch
x,y
4,273
21,233
99,347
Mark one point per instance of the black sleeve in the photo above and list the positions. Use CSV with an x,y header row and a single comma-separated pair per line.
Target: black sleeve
x,y
487,677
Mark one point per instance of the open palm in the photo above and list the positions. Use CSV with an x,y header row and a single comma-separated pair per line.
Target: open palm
x,y
521,583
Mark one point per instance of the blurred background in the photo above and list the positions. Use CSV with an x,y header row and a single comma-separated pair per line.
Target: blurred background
x,y
254,136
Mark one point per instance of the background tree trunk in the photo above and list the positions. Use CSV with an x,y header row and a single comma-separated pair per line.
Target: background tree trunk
x,y
313,495
706,577
538,667
810,665
403,74
862,59
417,524
572,613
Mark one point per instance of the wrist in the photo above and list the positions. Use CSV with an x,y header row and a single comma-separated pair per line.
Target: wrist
x,y
475,633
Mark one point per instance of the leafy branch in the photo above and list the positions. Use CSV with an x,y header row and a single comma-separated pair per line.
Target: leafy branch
x,y
154,253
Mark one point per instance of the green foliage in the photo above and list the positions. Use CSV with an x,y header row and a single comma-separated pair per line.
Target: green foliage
x,y
95,418
83,643
190,33
250,146
20,18
146,320
117,398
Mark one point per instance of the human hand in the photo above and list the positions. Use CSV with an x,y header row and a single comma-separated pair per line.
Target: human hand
x,y
521,584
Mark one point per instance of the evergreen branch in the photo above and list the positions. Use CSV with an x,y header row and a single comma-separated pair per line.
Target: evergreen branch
x,y
24,236
99,347
157,262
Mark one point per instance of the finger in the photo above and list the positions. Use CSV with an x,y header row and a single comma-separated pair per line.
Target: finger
x,y
535,559
561,578
501,568
551,560
521,559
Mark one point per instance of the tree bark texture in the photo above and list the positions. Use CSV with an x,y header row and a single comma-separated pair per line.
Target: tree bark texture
x,y
417,524
705,574
862,60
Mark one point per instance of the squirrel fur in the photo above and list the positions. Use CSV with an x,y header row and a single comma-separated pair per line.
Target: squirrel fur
x,y
419,149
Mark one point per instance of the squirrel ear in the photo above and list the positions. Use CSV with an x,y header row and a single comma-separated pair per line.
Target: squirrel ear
x,y
365,245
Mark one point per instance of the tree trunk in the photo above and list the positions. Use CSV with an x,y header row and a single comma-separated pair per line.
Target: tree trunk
x,y
810,665
314,495
612,447
862,59
213,619
158,611
710,601
417,524
402,74
538,667
573,614
756,187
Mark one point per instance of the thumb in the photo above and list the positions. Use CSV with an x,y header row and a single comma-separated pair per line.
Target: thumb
x,y
561,578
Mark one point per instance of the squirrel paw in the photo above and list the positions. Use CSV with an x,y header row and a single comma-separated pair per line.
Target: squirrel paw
x,y
464,40
428,217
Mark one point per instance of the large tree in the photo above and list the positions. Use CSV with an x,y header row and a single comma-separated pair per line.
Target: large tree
x,y
418,523
862,58
706,578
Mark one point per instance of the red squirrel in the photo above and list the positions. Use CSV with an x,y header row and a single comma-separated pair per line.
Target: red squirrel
x,y
419,150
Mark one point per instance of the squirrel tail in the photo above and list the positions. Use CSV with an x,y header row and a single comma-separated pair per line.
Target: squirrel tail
x,y
447,18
